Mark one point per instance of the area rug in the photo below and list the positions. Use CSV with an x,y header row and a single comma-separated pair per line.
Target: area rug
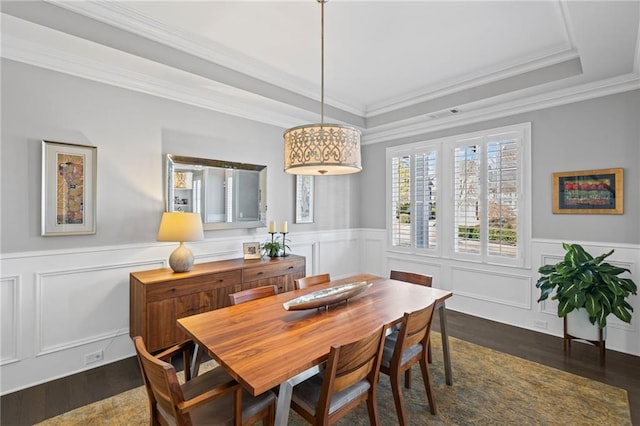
x,y
489,388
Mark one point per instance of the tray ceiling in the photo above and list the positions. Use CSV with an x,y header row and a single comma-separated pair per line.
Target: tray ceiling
x,y
387,63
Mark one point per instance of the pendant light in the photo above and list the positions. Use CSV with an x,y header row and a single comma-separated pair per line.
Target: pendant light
x,y
322,149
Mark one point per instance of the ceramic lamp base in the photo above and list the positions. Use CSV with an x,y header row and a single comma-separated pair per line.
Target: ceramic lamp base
x,y
181,260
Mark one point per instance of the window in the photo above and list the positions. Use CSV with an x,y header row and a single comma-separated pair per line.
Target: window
x,y
482,215
414,188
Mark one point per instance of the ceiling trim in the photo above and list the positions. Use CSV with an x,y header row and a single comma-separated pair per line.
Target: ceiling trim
x,y
422,125
247,105
232,101
125,18
130,20
426,94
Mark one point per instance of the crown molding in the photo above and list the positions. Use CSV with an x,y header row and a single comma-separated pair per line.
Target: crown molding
x,y
216,97
544,59
420,125
236,102
123,17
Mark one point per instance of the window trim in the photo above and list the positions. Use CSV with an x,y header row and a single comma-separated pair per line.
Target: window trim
x,y
445,148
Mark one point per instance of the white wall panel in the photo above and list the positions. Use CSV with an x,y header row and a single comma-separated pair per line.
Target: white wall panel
x,y
10,296
80,306
420,265
340,257
75,302
491,286
373,256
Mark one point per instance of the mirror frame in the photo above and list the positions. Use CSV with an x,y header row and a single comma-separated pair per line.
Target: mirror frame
x,y
172,160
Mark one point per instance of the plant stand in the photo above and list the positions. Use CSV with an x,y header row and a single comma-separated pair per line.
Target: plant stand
x,y
599,343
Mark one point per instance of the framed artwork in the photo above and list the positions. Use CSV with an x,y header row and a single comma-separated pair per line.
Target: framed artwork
x,y
589,192
304,199
251,250
68,189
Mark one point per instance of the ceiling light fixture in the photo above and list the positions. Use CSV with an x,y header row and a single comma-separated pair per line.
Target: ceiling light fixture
x,y
322,149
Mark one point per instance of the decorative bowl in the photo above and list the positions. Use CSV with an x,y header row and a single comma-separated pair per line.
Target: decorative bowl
x,y
326,296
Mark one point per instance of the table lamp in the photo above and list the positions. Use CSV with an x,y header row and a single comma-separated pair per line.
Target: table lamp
x,y
180,227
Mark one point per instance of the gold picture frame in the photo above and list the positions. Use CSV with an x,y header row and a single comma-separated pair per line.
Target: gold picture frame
x,y
589,192
68,189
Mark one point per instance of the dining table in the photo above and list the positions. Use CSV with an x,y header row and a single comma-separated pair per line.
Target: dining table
x,y
265,346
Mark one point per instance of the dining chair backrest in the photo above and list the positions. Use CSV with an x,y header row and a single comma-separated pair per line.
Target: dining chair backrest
x,y
350,377
353,362
211,398
411,277
404,349
311,281
414,329
161,379
252,294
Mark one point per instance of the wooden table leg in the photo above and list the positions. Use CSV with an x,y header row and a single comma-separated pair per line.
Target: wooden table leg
x,y
445,345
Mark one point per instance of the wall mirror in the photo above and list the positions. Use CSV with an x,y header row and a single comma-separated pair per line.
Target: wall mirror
x,y
227,195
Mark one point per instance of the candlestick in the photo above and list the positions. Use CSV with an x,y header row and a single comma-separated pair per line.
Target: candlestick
x,y
284,241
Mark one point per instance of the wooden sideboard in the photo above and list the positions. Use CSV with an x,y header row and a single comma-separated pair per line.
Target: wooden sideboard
x,y
159,297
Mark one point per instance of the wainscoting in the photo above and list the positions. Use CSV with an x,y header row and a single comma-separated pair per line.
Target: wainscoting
x,y
68,311
507,294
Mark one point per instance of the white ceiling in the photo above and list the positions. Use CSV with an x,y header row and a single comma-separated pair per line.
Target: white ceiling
x,y
386,62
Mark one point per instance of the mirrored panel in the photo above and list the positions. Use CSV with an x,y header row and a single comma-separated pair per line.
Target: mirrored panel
x,y
227,195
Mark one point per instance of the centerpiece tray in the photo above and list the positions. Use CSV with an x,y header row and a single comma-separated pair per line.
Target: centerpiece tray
x,y
326,296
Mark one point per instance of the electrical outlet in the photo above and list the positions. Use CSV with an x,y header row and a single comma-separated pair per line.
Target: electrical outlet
x,y
93,357
540,324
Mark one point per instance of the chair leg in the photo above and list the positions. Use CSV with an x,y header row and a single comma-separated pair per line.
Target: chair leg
x,y
397,397
429,352
427,385
372,408
270,419
407,378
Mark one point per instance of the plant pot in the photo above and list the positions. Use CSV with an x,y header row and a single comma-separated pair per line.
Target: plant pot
x,y
579,326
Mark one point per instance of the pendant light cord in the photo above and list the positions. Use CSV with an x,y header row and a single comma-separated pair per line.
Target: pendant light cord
x,y
322,2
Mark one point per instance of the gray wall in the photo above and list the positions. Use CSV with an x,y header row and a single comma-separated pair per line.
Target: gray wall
x,y
132,132
596,134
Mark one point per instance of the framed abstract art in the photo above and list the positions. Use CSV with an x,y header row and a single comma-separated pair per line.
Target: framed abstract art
x,y
589,192
68,189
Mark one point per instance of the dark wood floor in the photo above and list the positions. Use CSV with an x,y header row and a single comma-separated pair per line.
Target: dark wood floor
x,y
41,402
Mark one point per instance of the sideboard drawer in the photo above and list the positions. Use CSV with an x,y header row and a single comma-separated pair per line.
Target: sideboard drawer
x,y
282,266
187,286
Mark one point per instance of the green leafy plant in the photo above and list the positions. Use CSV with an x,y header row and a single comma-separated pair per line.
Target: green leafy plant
x,y
584,281
274,247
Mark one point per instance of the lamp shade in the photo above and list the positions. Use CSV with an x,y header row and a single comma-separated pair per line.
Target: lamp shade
x,y
180,226
322,149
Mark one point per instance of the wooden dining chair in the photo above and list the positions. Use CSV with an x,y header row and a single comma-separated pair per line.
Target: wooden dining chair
x,y
413,278
403,351
349,378
213,398
252,294
311,281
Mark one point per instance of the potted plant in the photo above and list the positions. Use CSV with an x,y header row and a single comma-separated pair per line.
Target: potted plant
x,y
584,281
274,247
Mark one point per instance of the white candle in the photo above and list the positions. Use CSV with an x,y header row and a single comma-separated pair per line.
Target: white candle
x,y
283,227
272,226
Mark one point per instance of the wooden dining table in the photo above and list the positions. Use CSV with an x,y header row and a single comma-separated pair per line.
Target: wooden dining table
x,y
263,346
